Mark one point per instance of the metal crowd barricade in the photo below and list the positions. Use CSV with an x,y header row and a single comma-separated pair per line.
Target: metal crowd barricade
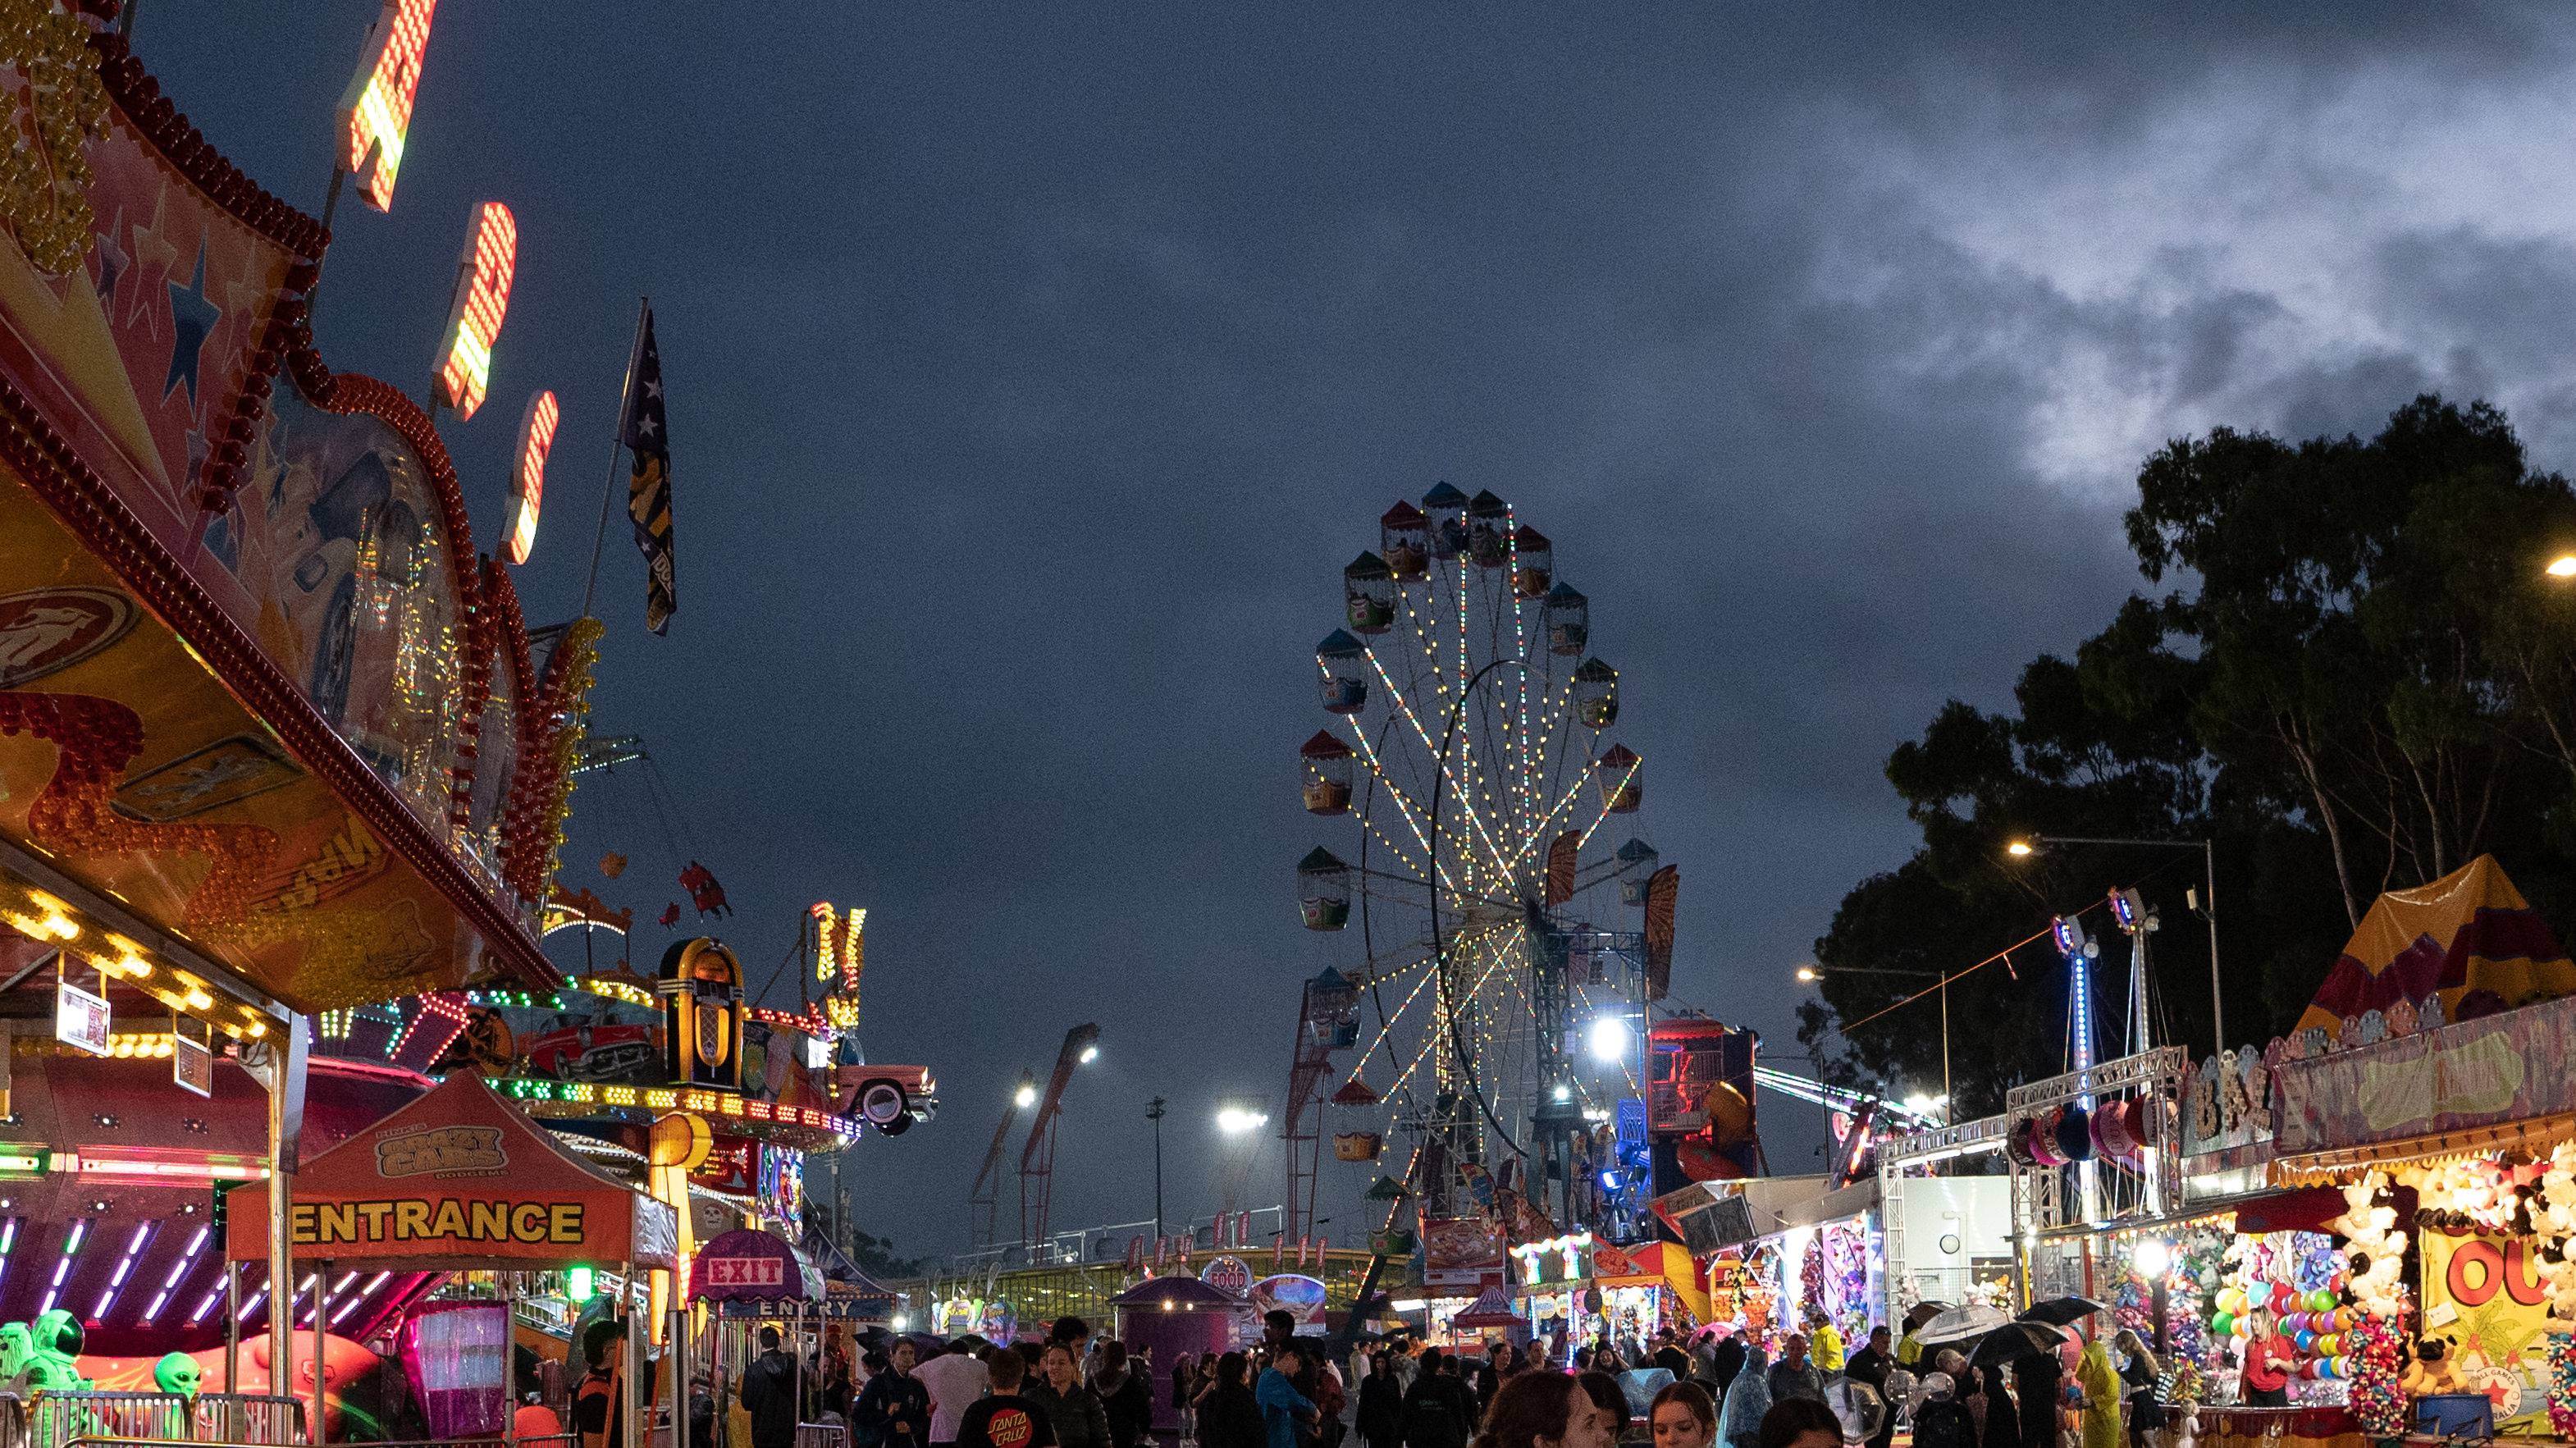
x,y
822,1435
57,1420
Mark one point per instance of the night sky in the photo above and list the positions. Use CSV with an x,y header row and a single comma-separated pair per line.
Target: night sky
x,y
1032,371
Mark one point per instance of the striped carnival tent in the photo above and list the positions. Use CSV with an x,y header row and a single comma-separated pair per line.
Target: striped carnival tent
x,y
2468,937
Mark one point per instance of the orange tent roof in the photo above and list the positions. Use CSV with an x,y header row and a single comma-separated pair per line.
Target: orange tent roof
x,y
457,1180
2469,931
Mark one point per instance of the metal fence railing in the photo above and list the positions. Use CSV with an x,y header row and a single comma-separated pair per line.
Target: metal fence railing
x,y
822,1435
55,1420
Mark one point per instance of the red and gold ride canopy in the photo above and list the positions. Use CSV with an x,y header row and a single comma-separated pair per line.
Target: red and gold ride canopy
x,y
256,685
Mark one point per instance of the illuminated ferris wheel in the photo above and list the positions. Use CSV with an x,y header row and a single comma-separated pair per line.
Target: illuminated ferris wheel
x,y
1470,742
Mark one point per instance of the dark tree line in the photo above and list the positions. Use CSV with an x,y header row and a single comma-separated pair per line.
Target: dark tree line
x,y
2357,677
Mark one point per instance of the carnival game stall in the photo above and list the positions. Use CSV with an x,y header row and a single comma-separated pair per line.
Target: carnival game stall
x,y
1553,1288
1647,1288
2398,1169
457,1181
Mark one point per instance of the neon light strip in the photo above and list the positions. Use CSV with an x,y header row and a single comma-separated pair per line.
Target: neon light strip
x,y
204,1307
249,1307
178,1270
124,1267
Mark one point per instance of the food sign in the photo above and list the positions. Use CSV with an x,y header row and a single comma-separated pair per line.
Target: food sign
x,y
1228,1274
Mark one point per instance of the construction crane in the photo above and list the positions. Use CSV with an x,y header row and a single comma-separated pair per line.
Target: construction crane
x,y
1037,1159
983,1200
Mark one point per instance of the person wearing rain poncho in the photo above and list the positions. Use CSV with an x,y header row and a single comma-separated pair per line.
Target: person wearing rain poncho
x,y
2101,1396
1748,1398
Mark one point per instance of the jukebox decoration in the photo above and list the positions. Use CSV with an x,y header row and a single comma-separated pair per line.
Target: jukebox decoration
x,y
704,1005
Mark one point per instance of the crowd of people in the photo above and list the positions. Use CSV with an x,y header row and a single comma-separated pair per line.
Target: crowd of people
x,y
1076,1390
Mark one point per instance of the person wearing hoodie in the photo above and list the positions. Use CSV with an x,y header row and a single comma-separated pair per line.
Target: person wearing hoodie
x,y
1287,1415
1072,1409
1124,1398
1439,1409
769,1394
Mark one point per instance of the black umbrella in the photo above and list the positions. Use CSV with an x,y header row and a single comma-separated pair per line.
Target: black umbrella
x,y
2010,1344
2059,1311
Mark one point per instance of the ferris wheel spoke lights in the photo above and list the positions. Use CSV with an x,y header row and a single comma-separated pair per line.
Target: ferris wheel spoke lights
x,y
1471,716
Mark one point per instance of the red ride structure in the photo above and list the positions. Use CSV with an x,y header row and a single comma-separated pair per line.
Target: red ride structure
x,y
1037,1159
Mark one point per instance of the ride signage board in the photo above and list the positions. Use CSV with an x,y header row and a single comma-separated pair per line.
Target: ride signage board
x,y
528,482
742,1271
2480,1072
375,111
80,1018
484,269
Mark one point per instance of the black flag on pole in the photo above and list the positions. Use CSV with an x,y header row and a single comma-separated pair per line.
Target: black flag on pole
x,y
648,486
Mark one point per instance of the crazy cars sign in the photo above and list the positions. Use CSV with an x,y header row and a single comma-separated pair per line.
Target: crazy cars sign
x,y
484,269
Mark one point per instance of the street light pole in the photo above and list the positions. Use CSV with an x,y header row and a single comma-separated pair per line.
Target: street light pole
x,y
2209,864
1154,1114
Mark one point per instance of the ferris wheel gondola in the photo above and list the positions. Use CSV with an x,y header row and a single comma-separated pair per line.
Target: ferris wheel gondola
x,y
1466,740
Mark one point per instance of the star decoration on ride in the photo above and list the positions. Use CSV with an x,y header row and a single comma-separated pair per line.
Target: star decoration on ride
x,y
113,262
192,320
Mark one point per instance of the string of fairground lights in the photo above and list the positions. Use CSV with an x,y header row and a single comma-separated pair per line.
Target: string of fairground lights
x,y
1441,688
1413,810
1439,1022
1403,804
1444,1023
1519,773
1457,791
1971,970
1519,784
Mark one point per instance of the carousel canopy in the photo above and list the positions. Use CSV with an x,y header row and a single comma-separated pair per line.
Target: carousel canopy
x,y
458,1180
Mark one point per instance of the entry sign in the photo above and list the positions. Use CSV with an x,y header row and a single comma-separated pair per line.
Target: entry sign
x,y
528,485
742,1272
375,111
80,1019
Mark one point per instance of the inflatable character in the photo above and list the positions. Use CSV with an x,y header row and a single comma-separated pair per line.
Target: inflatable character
x,y
55,1342
343,1363
15,1348
178,1373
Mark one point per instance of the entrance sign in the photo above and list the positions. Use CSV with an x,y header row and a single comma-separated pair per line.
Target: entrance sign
x,y
458,1180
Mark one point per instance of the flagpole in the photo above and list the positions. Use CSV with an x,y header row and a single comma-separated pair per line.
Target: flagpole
x,y
616,440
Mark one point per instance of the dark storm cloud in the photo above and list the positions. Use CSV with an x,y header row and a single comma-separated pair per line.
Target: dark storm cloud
x,y
1032,371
